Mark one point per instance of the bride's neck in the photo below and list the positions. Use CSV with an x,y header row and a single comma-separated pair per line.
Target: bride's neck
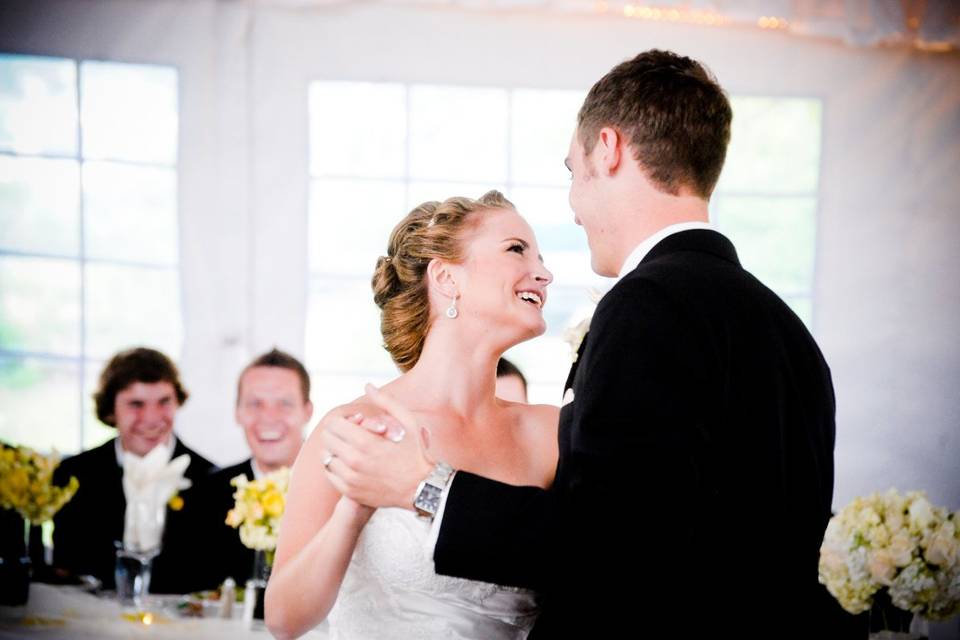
x,y
453,374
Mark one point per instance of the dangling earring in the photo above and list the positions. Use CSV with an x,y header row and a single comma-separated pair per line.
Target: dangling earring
x,y
452,309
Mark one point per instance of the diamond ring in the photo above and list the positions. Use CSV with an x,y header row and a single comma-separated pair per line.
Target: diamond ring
x,y
327,460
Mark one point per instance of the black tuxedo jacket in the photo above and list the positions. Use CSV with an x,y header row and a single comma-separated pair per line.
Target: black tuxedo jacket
x,y
204,550
87,528
695,475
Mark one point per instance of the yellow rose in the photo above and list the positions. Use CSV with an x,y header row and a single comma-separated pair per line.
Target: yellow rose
x,y
273,503
175,503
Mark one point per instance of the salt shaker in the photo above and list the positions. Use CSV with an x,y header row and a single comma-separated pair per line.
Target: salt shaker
x,y
228,595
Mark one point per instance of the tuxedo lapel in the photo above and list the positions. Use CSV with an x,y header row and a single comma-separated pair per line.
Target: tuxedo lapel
x,y
576,363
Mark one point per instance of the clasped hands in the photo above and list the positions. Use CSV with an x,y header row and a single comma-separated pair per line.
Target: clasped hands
x,y
376,460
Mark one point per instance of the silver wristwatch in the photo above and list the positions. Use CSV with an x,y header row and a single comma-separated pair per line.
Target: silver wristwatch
x,y
427,499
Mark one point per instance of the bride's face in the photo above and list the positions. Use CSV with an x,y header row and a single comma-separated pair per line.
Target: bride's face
x,y
502,282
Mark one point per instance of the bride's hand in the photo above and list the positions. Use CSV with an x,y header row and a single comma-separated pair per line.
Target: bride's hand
x,y
382,463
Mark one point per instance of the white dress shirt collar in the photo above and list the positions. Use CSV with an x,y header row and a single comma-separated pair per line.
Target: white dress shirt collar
x,y
637,255
168,446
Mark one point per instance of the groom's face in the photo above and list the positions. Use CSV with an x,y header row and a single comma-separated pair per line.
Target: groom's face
x,y
586,202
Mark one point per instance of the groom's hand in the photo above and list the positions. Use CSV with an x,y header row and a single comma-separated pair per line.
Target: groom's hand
x,y
380,460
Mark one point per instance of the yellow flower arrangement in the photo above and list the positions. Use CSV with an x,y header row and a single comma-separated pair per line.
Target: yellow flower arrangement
x,y
26,484
259,509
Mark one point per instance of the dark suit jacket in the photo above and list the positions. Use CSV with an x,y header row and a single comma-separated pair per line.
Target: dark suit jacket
x,y
204,550
695,475
87,528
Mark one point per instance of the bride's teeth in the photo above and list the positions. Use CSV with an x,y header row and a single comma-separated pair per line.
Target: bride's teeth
x,y
531,297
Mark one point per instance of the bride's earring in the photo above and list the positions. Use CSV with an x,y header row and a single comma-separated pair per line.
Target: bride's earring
x,y
452,309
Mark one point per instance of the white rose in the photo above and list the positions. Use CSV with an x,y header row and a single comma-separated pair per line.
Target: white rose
x,y
942,549
901,549
921,513
881,566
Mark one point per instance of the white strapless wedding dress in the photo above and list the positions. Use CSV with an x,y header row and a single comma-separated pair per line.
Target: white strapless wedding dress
x,y
391,591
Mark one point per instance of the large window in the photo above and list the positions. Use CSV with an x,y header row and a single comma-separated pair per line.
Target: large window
x,y
377,150
88,236
766,200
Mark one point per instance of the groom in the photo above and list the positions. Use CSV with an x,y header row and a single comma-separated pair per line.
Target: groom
x,y
695,475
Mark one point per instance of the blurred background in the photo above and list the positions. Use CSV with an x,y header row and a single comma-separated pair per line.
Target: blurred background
x,y
213,178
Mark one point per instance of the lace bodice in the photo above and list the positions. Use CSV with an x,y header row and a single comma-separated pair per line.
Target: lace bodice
x,y
392,591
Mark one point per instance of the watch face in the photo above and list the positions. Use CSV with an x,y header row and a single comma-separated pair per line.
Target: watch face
x,y
429,499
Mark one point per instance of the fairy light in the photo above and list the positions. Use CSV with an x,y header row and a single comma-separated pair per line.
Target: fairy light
x,y
638,11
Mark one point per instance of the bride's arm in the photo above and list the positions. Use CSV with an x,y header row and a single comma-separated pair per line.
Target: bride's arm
x,y
317,539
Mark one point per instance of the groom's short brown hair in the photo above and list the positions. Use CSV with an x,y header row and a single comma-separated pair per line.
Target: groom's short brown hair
x,y
672,112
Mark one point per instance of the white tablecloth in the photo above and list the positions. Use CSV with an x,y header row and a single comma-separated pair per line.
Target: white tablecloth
x,y
69,613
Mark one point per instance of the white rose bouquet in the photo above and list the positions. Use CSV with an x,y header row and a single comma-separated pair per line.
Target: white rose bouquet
x,y
901,543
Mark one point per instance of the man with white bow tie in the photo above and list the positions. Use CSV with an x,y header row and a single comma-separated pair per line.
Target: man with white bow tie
x,y
139,394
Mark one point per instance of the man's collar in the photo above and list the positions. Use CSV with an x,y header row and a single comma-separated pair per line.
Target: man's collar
x,y
642,249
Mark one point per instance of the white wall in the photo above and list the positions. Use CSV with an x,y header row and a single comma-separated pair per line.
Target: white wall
x,y
887,290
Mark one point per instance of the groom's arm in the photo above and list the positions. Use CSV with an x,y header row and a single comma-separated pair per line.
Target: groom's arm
x,y
632,440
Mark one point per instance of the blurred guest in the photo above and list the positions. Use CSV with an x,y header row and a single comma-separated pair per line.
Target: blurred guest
x,y
511,385
139,393
273,407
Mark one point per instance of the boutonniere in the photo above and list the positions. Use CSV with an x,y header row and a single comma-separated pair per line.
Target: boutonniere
x,y
175,502
574,334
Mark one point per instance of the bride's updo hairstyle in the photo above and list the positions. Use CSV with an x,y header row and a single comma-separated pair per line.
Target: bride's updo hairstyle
x,y
431,230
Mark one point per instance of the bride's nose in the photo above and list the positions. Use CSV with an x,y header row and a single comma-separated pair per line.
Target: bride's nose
x,y
543,276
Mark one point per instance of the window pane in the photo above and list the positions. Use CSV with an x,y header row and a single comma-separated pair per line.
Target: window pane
x,y
39,400
458,133
775,238
329,390
420,192
40,305
541,127
562,242
774,146
546,360
358,129
131,212
39,210
566,306
129,112
350,224
132,306
38,105
94,432
343,328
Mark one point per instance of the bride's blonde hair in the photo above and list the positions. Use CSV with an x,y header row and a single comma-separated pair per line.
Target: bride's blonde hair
x,y
431,230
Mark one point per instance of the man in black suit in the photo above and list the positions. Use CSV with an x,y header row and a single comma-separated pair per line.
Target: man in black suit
x,y
139,393
273,407
695,472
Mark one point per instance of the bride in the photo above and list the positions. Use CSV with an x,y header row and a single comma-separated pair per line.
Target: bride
x,y
461,283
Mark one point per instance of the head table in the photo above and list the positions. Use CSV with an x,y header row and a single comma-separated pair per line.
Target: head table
x,y
71,613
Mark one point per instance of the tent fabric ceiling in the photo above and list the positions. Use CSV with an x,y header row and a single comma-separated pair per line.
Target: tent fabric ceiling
x,y
928,25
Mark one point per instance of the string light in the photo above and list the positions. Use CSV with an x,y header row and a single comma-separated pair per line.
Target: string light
x,y
695,16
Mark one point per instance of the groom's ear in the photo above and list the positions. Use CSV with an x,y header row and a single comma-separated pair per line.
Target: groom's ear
x,y
609,150
440,278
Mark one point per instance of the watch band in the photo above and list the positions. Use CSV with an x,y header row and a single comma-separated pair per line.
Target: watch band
x,y
426,501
